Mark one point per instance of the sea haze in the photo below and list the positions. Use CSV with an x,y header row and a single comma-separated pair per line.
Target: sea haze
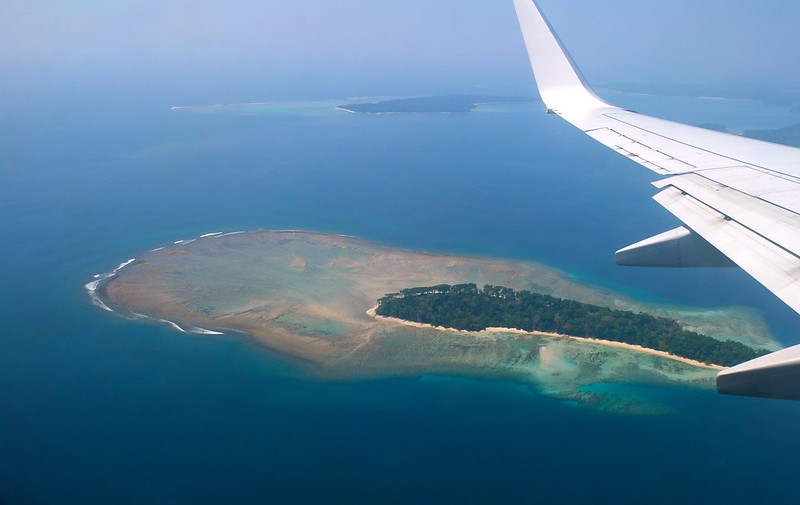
x,y
98,409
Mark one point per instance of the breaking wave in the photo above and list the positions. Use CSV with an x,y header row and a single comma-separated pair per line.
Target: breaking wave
x,y
91,287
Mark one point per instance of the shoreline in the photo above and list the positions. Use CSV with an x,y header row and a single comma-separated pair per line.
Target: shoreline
x,y
372,312
397,112
343,109
302,296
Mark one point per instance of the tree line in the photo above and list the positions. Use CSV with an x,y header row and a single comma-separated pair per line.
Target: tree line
x,y
465,307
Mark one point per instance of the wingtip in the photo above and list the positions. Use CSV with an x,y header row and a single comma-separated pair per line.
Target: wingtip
x,y
561,84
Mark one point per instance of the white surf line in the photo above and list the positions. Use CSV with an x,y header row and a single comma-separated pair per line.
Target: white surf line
x,y
167,321
194,329
123,265
203,331
91,287
219,105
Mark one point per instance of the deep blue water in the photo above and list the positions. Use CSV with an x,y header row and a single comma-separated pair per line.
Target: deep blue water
x,y
96,409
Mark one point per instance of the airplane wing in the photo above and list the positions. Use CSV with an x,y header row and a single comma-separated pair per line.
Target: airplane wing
x,y
739,198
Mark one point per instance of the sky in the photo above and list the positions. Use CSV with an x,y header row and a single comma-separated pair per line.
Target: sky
x,y
201,51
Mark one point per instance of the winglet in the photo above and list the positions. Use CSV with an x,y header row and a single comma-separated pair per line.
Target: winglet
x,y
561,84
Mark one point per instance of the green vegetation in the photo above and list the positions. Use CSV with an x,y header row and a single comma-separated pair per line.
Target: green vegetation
x,y
454,103
465,307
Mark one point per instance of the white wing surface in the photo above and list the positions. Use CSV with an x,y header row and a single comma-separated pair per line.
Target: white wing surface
x,y
739,198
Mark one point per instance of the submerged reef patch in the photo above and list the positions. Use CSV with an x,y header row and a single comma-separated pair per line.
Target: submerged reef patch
x,y
307,296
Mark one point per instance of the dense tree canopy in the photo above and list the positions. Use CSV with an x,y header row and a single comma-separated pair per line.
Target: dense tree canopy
x,y
465,307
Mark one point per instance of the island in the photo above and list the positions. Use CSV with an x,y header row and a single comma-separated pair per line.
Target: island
x,y
465,307
305,298
428,104
788,135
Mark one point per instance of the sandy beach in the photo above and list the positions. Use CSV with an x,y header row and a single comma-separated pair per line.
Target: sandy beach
x,y
620,345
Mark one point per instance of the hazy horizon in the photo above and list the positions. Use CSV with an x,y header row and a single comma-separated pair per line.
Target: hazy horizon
x,y
203,52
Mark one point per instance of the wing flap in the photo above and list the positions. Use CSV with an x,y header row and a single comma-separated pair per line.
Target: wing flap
x,y
780,190
774,223
700,143
664,155
774,267
683,155
649,158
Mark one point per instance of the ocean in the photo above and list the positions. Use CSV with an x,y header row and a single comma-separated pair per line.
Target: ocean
x,y
97,409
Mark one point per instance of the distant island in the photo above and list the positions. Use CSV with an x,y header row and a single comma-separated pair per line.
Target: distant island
x,y
770,94
465,307
788,135
429,104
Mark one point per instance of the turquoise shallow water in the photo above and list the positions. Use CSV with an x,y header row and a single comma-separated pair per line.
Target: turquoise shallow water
x,y
96,408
